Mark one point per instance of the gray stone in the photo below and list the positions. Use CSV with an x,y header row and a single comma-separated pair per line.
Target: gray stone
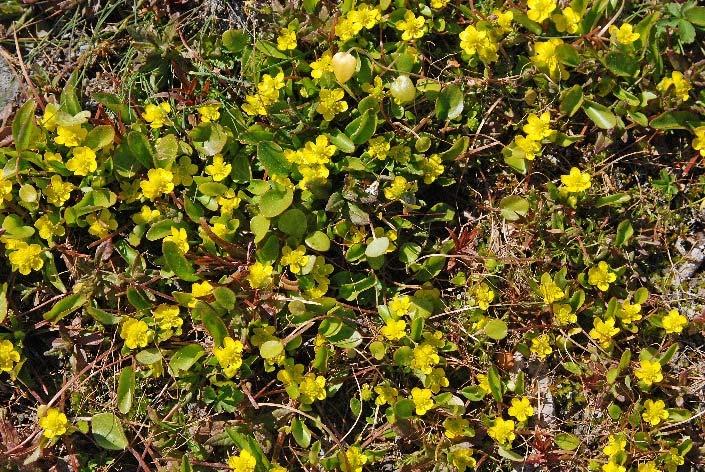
x,y
9,86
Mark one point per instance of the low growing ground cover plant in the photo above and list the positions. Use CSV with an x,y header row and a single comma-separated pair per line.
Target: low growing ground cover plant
x,y
434,235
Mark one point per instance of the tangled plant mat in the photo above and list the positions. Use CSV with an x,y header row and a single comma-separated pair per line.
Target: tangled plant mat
x,y
398,236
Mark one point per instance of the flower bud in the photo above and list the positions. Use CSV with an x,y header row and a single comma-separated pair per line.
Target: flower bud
x,y
344,66
403,89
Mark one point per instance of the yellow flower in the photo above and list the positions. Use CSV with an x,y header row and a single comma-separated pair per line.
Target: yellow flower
x,y
436,380
615,444
674,322
82,162
540,10
432,168
424,357
521,409
528,146
296,259
101,224
159,181
51,113
648,467
504,20
260,275
52,156
167,317
699,140
399,305
455,427
318,152
202,289
603,331
397,188
156,115
601,276
219,170
135,333
58,191
229,356
483,295
354,460
375,89
629,312
286,39
8,356
394,329
48,228
575,181
679,83
549,290
54,423
26,258
6,190
378,147
330,103
209,112
649,372
365,16
538,127
568,21
545,59
654,412
461,457
346,29
322,65
411,26
386,394
541,346
479,41
70,136
291,373
564,314
484,383
228,202
244,462
312,388
146,215
613,467
422,400
624,34
502,431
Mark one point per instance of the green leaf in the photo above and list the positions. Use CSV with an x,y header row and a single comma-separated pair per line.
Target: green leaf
x,y
235,40
621,64
514,207
69,99
571,100
185,358
449,103
177,263
600,115
275,201
496,329
695,15
108,432
25,132
318,241
568,55
676,120
292,222
567,441
149,356
520,18
140,149
65,306
215,326
126,390
117,106
271,349
457,149
624,233
272,159
377,247
269,49
509,454
404,409
167,148
612,200
3,301
362,128
100,137
301,433
342,142
259,225
212,189
495,382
